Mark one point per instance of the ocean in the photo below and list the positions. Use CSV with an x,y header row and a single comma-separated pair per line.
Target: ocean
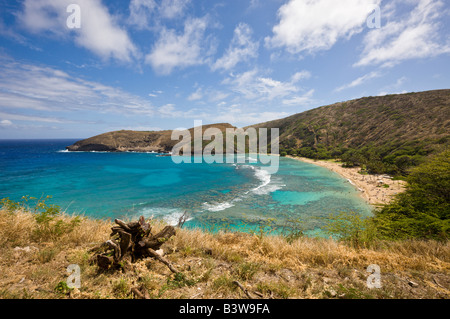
x,y
215,196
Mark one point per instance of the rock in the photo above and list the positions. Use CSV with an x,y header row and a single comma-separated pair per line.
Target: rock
x,y
413,284
160,252
27,249
332,292
90,148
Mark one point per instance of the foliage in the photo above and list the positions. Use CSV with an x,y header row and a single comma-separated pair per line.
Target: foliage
x,y
390,159
423,210
62,288
264,228
121,288
49,221
292,229
247,270
179,280
377,132
350,227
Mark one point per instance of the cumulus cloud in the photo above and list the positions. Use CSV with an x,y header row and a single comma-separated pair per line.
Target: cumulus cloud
x,y
300,76
99,31
314,25
141,13
173,8
197,95
242,117
300,100
146,13
241,49
173,50
253,85
415,35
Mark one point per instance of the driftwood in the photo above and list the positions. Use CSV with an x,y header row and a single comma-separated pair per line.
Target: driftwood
x,y
183,218
133,240
237,283
140,292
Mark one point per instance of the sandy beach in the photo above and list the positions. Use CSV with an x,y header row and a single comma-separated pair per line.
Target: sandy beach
x,y
370,186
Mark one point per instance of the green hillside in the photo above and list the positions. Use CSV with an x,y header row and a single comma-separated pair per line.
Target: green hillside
x,y
384,134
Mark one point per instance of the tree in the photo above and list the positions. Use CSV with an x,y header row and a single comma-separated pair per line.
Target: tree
x,y
423,210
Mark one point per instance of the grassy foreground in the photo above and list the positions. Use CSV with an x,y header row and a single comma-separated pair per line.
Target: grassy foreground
x,y
35,254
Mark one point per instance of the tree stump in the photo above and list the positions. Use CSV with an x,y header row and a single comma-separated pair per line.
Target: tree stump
x,y
133,240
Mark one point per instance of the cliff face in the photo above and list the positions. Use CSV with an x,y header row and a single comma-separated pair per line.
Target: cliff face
x,y
134,141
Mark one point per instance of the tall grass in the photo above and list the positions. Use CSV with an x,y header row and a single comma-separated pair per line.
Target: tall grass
x,y
273,265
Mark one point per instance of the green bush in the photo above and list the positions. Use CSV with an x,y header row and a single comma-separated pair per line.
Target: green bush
x,y
350,227
49,221
423,210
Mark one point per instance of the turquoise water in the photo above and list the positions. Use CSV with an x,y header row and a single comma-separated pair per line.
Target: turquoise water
x,y
120,185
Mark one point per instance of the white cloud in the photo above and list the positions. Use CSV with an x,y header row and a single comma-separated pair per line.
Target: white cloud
x,y
99,31
136,128
197,95
174,50
216,95
29,118
5,123
300,76
44,89
145,14
207,94
359,81
383,93
9,32
141,13
173,8
254,4
394,88
239,117
303,100
315,25
241,49
254,86
168,110
413,36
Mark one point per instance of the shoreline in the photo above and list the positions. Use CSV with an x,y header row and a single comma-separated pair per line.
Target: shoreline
x,y
369,186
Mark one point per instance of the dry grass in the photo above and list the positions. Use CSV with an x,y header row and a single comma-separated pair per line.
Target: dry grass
x,y
269,267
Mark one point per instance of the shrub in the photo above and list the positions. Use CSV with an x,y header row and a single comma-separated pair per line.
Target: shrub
x,y
423,210
50,221
350,227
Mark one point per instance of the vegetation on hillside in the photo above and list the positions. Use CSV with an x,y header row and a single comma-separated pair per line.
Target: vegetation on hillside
x,y
384,134
423,210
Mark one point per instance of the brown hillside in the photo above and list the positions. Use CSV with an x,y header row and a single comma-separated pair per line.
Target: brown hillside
x,y
370,120
135,141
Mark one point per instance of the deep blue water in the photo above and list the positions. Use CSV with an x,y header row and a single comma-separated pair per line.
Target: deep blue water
x,y
119,185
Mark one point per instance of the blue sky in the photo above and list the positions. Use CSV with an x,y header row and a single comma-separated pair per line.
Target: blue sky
x,y
161,64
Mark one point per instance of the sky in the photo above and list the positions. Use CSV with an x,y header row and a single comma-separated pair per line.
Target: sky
x,y
78,68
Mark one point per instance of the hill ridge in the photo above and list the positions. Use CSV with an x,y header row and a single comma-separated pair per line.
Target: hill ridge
x,y
385,133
